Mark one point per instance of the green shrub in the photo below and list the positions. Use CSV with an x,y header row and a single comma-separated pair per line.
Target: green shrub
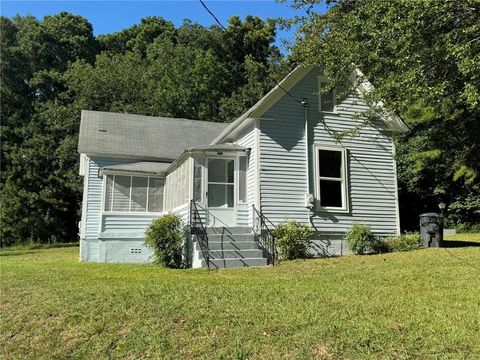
x,y
361,240
165,237
293,240
380,246
404,242
465,228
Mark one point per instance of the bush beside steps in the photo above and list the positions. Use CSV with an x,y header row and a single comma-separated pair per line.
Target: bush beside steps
x,y
165,236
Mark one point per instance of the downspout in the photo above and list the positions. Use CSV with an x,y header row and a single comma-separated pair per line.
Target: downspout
x,y
397,207
307,162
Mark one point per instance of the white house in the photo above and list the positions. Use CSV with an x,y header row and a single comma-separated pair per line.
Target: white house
x,y
230,182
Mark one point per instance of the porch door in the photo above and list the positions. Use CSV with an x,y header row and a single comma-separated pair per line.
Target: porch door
x,y
220,193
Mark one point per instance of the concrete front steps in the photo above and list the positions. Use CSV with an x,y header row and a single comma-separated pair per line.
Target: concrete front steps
x,y
231,247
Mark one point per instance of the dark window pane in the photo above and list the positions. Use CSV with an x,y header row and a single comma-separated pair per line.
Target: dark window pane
x,y
139,194
216,170
330,193
220,170
330,163
327,102
220,195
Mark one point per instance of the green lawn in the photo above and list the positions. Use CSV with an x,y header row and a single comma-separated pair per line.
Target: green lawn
x,y
466,237
418,305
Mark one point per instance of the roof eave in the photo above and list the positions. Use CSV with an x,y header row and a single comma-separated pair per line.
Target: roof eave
x,y
188,153
125,156
393,121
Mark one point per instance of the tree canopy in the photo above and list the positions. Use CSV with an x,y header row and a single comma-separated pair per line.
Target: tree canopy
x,y
423,58
55,67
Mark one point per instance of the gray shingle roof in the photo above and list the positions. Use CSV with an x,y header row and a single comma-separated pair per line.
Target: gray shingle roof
x,y
148,167
142,137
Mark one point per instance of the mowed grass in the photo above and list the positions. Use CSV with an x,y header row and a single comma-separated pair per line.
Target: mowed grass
x,y
467,237
417,305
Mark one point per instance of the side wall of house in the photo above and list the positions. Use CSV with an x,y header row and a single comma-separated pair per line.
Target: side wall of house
x,y
283,170
112,237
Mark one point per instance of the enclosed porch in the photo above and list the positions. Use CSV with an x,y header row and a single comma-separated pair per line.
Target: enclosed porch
x,y
215,178
208,187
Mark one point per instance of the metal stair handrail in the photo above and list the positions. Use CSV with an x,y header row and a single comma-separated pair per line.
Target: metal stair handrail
x,y
264,232
197,228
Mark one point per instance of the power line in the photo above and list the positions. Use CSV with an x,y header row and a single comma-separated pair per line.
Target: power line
x,y
245,52
213,15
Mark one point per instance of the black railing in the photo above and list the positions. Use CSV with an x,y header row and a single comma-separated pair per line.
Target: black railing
x,y
200,231
263,229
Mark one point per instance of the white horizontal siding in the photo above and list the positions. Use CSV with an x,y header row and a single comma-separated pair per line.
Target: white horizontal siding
x,y
125,222
283,173
184,212
242,215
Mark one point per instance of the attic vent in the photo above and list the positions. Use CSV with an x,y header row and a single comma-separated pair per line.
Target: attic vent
x,y
135,251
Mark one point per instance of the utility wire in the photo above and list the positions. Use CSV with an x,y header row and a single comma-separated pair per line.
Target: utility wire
x,y
245,53
213,15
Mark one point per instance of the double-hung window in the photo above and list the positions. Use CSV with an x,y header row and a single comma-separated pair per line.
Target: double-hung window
x,y
331,184
133,194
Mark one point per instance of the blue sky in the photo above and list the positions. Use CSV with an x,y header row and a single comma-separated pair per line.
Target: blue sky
x,y
111,16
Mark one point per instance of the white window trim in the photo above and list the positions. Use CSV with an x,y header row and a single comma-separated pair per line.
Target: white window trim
x,y
203,173
237,169
345,193
134,213
334,91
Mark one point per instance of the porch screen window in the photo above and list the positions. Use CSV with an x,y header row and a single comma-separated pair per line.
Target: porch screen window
x,y
221,182
242,179
155,195
197,179
331,184
133,194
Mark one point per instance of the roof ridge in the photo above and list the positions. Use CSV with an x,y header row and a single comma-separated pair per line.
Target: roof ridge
x,y
153,117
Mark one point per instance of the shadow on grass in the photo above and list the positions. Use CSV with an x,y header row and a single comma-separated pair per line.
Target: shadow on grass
x,y
32,248
18,252
458,243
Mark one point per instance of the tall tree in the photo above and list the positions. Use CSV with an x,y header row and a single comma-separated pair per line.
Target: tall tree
x,y
423,58
54,67
39,195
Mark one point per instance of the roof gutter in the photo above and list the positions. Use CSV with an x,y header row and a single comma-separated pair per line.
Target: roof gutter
x,y
188,153
106,171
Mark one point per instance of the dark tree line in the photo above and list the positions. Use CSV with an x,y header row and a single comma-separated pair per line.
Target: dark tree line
x,y
422,57
53,68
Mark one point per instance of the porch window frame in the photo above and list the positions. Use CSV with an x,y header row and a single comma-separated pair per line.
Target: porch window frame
x,y
237,170
204,166
133,213
345,208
